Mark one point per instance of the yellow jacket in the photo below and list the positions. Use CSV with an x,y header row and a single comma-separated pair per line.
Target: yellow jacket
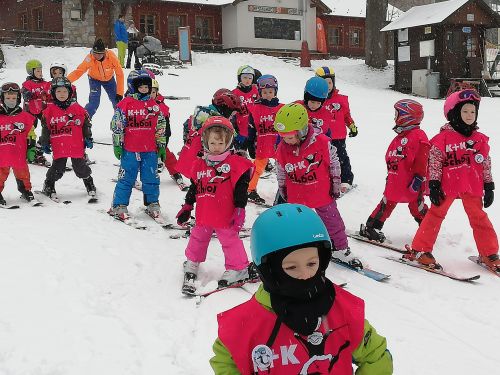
x,y
101,70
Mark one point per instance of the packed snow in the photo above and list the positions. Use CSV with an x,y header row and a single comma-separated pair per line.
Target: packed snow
x,y
84,294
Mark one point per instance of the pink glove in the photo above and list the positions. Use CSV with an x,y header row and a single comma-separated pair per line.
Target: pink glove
x,y
238,218
184,214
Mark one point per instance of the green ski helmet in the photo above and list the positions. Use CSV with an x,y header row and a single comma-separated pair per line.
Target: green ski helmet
x,y
31,65
292,118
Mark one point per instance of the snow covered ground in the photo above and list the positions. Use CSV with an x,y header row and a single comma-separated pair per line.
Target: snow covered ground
x,y
83,294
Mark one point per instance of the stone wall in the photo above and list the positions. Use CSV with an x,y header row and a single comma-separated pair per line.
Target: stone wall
x,y
78,32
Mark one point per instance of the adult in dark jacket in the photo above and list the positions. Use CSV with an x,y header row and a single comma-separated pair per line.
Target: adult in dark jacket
x,y
133,43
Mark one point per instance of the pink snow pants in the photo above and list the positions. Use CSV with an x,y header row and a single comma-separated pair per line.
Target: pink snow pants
x,y
232,246
334,224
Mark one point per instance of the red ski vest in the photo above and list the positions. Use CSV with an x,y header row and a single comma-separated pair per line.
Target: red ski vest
x,y
215,189
463,161
400,159
165,110
338,106
142,118
246,98
50,99
39,96
14,139
307,169
263,117
190,151
245,329
66,130
319,119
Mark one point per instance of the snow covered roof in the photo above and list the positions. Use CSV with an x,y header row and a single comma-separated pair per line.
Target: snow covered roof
x,y
356,8
426,15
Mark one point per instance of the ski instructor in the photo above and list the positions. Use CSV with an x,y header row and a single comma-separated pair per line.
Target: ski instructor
x,y
101,65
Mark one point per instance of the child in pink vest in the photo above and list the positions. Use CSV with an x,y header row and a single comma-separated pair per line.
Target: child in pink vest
x,y
298,321
17,141
36,96
66,132
309,173
459,168
262,132
248,94
219,182
406,160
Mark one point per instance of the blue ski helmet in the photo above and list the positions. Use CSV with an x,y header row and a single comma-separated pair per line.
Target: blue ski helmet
x,y
287,226
317,88
142,74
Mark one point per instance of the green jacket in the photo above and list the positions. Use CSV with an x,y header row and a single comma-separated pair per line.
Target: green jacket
x,y
371,356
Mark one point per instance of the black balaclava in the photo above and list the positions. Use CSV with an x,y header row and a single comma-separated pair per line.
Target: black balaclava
x,y
67,102
299,304
308,97
456,122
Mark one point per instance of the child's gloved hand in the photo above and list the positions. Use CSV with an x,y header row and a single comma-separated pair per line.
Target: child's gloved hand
x,y
118,98
353,130
118,152
488,194
47,149
238,218
89,143
436,194
335,189
416,183
30,154
184,214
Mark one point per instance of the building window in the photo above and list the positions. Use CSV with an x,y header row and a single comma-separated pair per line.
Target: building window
x,y
147,24
38,18
204,27
174,22
23,21
495,5
471,46
276,28
355,37
335,36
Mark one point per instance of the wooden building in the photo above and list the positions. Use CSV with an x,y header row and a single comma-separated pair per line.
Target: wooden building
x,y
442,43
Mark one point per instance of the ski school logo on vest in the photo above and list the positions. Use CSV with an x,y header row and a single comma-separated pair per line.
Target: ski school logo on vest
x,y
458,154
266,125
66,128
210,178
11,137
304,171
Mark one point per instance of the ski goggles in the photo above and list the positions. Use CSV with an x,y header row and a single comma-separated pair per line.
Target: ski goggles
x,y
10,87
267,82
469,95
60,82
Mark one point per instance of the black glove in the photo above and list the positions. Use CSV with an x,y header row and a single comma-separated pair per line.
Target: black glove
x,y
488,194
118,97
436,193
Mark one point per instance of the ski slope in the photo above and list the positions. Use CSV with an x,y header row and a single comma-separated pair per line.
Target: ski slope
x,y
81,293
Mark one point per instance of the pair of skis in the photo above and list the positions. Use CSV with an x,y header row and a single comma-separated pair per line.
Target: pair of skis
x,y
55,198
33,203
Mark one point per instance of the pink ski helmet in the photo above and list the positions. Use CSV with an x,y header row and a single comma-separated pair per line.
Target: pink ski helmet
x,y
458,97
408,112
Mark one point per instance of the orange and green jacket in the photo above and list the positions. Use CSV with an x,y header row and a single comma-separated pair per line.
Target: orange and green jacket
x,y
102,70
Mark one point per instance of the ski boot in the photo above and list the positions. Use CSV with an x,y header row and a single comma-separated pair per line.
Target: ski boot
x,y
120,212
177,177
40,158
230,277
492,262
49,189
25,194
190,276
347,257
153,210
2,201
254,197
89,185
371,233
423,258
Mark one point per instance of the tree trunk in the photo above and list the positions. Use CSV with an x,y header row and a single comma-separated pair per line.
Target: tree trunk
x,y
375,41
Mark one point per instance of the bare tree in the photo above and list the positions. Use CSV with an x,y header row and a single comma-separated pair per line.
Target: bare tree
x,y
375,41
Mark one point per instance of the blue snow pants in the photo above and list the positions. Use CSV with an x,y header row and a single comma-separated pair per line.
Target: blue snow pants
x,y
95,94
131,164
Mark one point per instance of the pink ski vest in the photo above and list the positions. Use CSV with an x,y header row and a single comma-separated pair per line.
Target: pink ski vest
x,y
320,119
142,118
400,159
215,189
307,171
190,151
13,139
246,98
338,106
66,130
463,161
245,329
263,117
39,96
50,99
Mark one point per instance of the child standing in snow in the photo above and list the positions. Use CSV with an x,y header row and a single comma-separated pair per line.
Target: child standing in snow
x,y
169,160
406,160
338,106
262,132
248,94
459,168
309,173
224,103
66,131
219,185
35,96
138,128
297,313
17,140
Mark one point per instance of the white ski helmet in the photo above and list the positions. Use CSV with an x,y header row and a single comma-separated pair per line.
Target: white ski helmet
x,y
60,65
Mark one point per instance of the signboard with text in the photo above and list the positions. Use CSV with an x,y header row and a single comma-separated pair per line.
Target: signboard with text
x,y
275,10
